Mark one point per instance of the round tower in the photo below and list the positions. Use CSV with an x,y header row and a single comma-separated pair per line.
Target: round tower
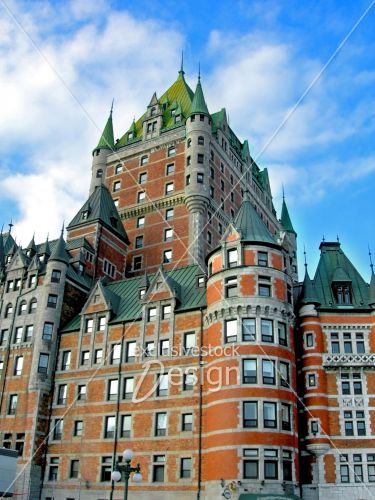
x,y
250,424
197,157
105,147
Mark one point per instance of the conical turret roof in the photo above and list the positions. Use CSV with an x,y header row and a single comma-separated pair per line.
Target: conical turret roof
x,y
252,228
59,252
106,140
45,248
285,219
199,104
308,291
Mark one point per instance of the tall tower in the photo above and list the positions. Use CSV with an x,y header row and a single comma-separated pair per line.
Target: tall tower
x,y
105,146
249,382
198,135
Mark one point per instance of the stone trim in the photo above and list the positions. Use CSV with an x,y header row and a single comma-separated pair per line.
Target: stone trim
x,y
153,206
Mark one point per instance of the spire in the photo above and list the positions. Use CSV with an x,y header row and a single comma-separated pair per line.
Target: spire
x,y
285,218
372,290
106,140
308,290
199,104
182,72
31,247
45,248
2,253
59,252
251,226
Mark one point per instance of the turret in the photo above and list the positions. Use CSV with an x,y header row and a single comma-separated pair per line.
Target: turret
x,y
197,169
31,249
105,147
372,291
289,238
308,299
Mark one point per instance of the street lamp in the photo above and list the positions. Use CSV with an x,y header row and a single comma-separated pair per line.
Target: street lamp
x,y
127,469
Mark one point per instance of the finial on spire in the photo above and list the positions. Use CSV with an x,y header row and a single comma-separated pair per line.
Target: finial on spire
x,y
304,256
62,229
323,239
199,71
10,226
182,62
371,263
113,100
282,185
338,239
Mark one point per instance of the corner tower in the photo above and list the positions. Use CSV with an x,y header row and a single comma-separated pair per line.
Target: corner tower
x,y
250,379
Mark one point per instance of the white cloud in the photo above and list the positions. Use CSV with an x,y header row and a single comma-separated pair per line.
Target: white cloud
x,y
113,55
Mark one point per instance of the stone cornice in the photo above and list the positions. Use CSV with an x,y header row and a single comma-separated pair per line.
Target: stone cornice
x,y
152,206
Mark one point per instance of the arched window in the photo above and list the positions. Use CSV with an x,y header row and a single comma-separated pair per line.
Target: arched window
x,y
201,140
188,143
8,311
99,173
33,304
22,308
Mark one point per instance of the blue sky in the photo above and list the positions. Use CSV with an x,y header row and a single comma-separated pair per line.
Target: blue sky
x,y
62,62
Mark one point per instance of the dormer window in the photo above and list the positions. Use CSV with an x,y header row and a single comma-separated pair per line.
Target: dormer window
x,y
173,112
232,257
343,293
130,136
85,215
177,119
153,111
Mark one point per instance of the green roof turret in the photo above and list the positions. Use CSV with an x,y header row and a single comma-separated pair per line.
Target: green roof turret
x,y
252,228
372,290
285,218
199,106
59,252
308,291
106,140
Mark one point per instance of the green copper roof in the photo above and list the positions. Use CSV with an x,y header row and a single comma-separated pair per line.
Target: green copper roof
x,y
372,289
179,92
59,252
308,291
333,264
106,140
199,104
2,253
285,219
100,207
250,224
129,307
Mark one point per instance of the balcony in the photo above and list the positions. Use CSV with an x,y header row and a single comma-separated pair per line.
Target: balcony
x,y
335,361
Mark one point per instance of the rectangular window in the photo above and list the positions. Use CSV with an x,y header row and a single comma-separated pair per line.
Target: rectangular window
x,y
249,371
162,385
250,414
268,372
262,259
131,351
116,186
232,257
248,330
126,426
140,222
109,427
266,329
61,394
102,323
250,469
161,424
85,358
58,429
12,405
187,422
3,336
142,177
151,314
78,428
188,381
106,469
47,331
189,342
168,234
43,363
115,354
112,392
285,417
128,387
74,468
169,187
200,158
18,335
139,241
55,276
53,469
141,196
287,465
269,415
164,347
309,340
158,469
231,330
137,263
284,374
98,358
52,301
18,364
264,290
200,178
81,392
167,256
185,468
281,331
169,214
231,287
170,169
150,348
166,311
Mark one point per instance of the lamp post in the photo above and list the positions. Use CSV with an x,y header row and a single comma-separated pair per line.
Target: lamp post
x,y
126,469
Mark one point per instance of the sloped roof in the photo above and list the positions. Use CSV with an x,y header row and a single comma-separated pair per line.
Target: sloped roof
x,y
100,207
332,259
179,92
130,307
106,140
248,221
285,219
59,252
308,291
199,103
